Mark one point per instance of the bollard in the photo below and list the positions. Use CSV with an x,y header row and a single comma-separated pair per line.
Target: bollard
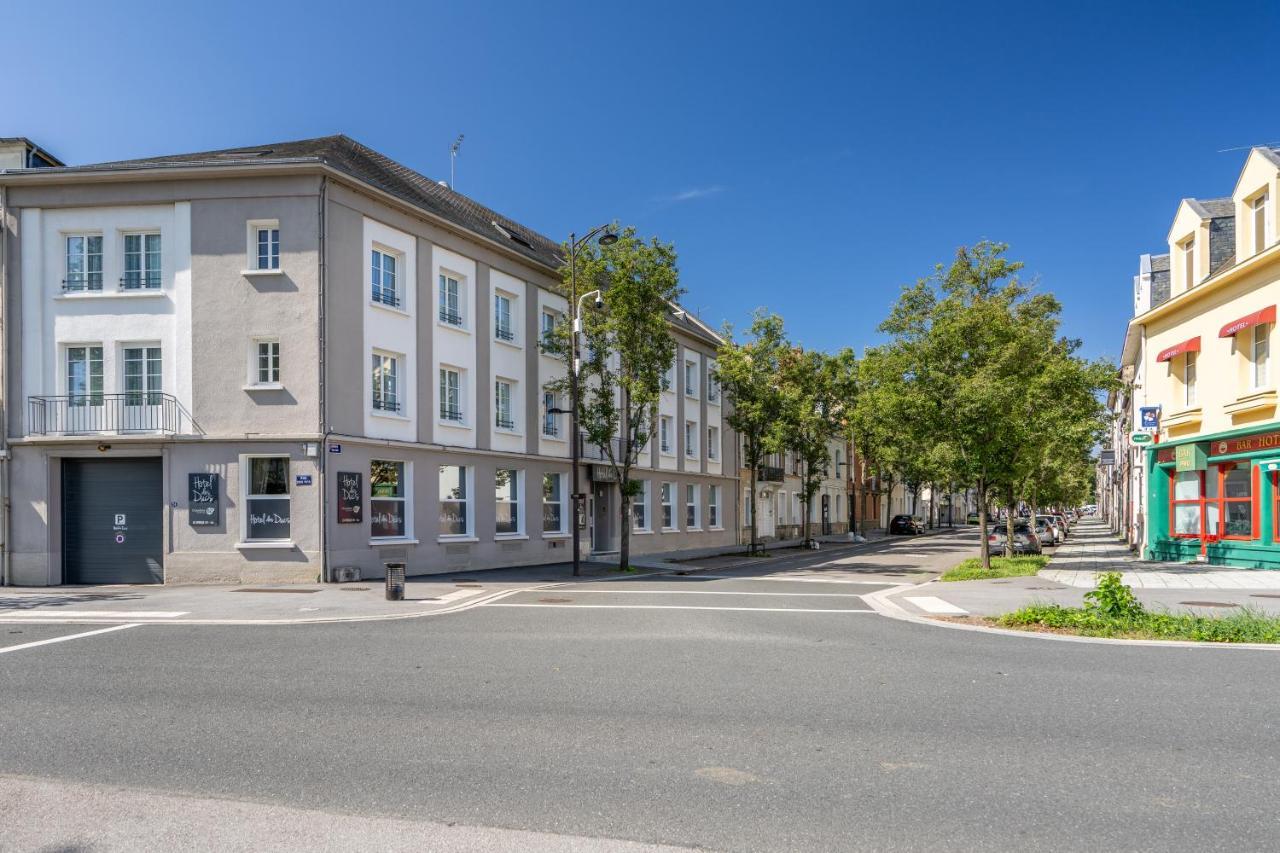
x,y
395,581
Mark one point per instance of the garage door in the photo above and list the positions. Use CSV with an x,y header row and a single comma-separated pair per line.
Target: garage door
x,y
112,521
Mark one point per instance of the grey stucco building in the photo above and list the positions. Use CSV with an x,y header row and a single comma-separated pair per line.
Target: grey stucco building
x,y
264,364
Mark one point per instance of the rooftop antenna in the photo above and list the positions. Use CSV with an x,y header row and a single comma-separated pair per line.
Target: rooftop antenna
x,y
453,158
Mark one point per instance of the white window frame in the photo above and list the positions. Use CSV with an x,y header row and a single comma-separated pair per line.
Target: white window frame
x,y
444,315
551,400
691,378
714,521
516,489
665,447
146,272
245,496
91,396
405,498
91,281
149,396
1189,377
1189,267
691,439
397,303
511,425
546,331
669,378
713,385
642,502
459,390
498,297
254,379
1260,208
468,501
1260,354
713,443
692,502
253,261
563,502
385,411
666,505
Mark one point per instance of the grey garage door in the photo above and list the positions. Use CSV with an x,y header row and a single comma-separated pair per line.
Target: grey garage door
x,y
112,521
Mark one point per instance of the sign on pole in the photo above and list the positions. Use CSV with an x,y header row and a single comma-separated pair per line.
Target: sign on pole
x,y
1107,457
1150,417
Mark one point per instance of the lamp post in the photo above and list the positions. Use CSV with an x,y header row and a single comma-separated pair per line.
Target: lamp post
x,y
607,237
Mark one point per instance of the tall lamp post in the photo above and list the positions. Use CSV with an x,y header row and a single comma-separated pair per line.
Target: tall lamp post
x,y
607,238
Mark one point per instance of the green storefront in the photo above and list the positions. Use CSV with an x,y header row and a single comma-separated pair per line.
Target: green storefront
x,y
1216,495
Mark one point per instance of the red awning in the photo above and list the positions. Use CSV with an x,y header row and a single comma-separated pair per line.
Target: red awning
x,y
1266,315
1192,345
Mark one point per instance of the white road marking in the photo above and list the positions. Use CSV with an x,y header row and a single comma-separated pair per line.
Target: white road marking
x,y
455,595
101,614
700,576
64,639
679,607
935,605
714,592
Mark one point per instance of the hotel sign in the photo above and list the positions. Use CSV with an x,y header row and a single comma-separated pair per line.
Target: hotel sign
x,y
1221,447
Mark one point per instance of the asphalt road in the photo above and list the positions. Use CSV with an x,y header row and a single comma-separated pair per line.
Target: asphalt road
x,y
673,711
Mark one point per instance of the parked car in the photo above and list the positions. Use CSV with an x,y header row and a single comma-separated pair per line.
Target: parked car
x,y
906,524
1066,528
1053,534
1025,541
971,518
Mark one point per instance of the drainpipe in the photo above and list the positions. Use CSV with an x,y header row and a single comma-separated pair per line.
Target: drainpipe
x,y
6,566
322,452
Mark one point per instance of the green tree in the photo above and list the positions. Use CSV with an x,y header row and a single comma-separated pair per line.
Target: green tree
x,y
626,349
749,376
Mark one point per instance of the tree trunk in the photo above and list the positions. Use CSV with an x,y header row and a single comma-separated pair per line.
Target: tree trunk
x,y
753,547
624,532
985,547
1008,545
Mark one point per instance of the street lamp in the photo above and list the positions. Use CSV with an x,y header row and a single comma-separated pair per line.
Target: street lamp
x,y
607,238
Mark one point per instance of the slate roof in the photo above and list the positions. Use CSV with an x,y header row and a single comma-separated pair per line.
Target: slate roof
x,y
1160,263
348,156
1215,208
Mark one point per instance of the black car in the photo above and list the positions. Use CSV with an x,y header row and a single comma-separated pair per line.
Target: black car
x,y
906,524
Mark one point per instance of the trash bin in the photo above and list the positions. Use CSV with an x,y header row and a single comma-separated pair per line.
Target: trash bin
x,y
395,581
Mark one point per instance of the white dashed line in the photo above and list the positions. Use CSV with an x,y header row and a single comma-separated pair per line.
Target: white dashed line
x,y
714,592
678,607
935,605
99,614
64,639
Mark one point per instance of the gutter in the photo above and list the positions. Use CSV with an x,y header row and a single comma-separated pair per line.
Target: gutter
x,y
6,564
322,452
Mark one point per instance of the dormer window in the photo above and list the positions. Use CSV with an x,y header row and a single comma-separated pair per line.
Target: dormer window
x,y
1189,261
1261,210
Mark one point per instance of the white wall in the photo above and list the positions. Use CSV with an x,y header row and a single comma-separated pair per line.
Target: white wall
x,y
549,370
392,331
456,347
507,361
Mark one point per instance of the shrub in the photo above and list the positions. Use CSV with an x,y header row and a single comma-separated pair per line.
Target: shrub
x,y
1113,598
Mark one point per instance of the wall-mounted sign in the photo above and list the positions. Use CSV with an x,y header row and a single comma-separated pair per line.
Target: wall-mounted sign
x,y
335,448
1141,437
302,480
350,497
268,518
1150,417
1189,457
1107,457
203,506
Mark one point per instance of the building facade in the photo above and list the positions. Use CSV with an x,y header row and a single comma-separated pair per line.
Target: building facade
x,y
779,495
1202,358
267,364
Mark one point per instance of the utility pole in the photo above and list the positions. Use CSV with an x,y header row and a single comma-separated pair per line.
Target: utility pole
x,y
453,159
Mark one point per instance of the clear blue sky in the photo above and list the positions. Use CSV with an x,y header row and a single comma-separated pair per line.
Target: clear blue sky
x,y
810,158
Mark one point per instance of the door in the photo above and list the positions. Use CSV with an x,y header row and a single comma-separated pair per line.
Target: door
x,y
602,519
826,515
112,521
768,520
143,389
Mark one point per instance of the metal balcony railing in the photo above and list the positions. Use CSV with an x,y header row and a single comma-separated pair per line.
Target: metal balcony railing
x,y
453,318
504,333
386,296
81,282
505,423
771,474
140,280
87,414
550,428
386,404
449,413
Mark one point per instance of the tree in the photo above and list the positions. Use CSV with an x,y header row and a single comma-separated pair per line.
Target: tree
x,y
626,350
748,374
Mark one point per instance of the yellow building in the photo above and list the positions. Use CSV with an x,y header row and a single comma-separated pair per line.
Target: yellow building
x,y
1203,356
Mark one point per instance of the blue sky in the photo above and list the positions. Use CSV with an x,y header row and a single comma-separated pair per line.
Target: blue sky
x,y
810,158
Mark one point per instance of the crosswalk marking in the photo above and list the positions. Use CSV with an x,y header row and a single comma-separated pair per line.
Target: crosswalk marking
x,y
935,605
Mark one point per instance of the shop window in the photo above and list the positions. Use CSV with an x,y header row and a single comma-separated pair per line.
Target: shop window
x,y
507,502
1217,502
387,504
1237,501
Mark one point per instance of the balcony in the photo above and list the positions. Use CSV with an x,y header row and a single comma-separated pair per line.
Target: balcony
x,y
504,333
140,280
770,474
95,414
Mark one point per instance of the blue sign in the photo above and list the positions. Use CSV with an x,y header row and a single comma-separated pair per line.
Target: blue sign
x,y
1150,417
335,448
302,480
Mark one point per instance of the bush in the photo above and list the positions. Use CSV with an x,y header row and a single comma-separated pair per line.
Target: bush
x,y
1001,567
1249,625
1113,598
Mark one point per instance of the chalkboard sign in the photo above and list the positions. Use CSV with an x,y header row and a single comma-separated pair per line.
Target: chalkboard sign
x,y
204,508
268,518
350,497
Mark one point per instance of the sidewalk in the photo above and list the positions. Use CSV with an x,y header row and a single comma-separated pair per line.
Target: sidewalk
x,y
1091,548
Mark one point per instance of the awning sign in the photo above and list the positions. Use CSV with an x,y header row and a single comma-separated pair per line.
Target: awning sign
x,y
1191,345
1266,315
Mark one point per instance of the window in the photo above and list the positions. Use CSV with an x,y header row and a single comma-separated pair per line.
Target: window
x,y
550,420
547,327
1216,502
266,362
669,377
713,506
141,262
142,376
713,384
387,491
450,301
386,396
640,507
1261,232
1189,378
692,521
690,439
668,511
84,376
84,263
664,434
507,501
266,499
691,378
1261,354
747,509
713,443
264,245
450,396
502,328
384,279
503,419
553,514
455,501
1189,261
1237,500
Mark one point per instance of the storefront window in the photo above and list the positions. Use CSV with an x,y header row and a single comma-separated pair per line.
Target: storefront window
x,y
1187,503
1237,495
387,499
1217,502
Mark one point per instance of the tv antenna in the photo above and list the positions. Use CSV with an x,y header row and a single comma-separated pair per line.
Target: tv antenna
x,y
453,158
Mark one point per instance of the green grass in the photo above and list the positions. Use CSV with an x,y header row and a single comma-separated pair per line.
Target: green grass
x,y
1001,567
1248,625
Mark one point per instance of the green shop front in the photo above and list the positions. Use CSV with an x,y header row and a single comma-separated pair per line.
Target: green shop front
x,y
1215,499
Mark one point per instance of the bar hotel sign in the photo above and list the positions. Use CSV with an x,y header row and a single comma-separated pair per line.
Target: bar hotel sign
x,y
1185,453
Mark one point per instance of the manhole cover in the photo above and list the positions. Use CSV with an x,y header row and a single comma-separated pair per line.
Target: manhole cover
x,y
469,585
294,591
554,600
1208,604
354,588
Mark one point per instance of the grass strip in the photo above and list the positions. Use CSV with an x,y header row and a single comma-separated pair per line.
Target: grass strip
x,y
1001,567
1248,625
